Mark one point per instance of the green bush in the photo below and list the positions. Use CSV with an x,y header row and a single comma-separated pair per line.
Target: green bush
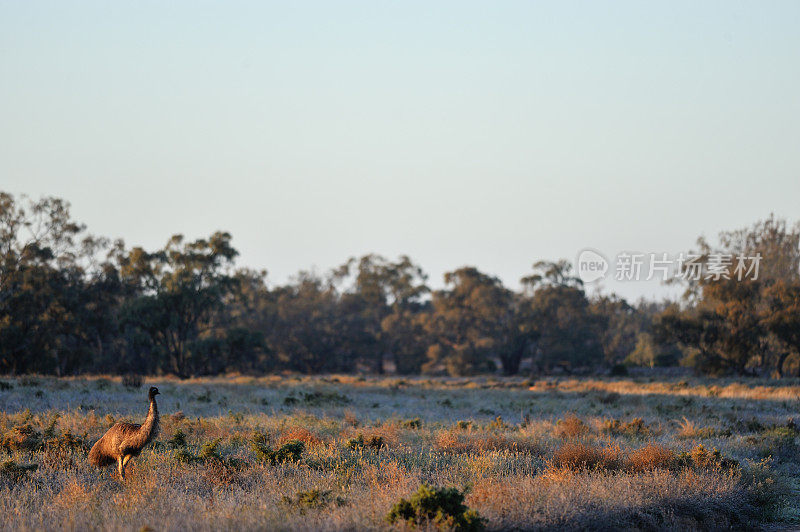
x,y
21,438
210,450
209,455
634,428
703,458
291,451
766,491
66,442
498,424
312,499
415,423
436,507
178,440
373,442
185,456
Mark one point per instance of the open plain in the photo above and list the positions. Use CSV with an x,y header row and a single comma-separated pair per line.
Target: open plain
x,y
337,452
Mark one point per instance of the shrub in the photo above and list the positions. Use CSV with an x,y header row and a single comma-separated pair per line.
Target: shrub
x,y
436,507
5,386
204,397
185,456
705,459
415,423
373,442
498,424
312,499
571,427
779,441
635,427
689,430
220,470
291,451
210,450
50,430
581,456
650,457
21,438
300,434
178,440
765,491
66,442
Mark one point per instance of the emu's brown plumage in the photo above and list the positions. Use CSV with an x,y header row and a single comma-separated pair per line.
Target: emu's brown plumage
x,y
125,440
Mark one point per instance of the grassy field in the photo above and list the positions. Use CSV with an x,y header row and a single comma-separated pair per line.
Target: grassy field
x,y
548,454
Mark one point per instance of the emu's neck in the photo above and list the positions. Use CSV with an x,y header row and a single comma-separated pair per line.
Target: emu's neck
x,y
149,428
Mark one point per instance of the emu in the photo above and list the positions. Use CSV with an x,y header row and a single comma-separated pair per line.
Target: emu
x,y
125,440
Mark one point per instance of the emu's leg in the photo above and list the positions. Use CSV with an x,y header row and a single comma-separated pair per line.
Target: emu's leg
x,y
121,468
125,460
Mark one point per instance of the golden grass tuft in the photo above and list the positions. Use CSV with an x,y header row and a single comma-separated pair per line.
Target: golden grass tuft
x,y
580,456
571,427
304,435
689,430
650,457
633,428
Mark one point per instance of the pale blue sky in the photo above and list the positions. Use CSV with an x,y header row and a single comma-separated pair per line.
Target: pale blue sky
x,y
484,133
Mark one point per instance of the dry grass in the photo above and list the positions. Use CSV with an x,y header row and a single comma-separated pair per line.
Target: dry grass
x,y
580,456
651,456
530,465
689,430
456,441
309,438
571,427
633,428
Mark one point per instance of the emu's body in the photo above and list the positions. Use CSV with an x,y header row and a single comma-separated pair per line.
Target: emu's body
x,y
125,440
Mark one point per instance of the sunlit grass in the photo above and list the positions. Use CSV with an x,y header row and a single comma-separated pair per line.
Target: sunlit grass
x,y
530,454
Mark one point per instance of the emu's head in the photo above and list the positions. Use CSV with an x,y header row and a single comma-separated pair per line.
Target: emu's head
x,y
152,393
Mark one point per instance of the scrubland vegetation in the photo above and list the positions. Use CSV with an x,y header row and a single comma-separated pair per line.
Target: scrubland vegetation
x,y
72,303
345,452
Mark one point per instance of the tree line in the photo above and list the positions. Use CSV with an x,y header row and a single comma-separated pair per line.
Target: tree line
x,y
75,303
